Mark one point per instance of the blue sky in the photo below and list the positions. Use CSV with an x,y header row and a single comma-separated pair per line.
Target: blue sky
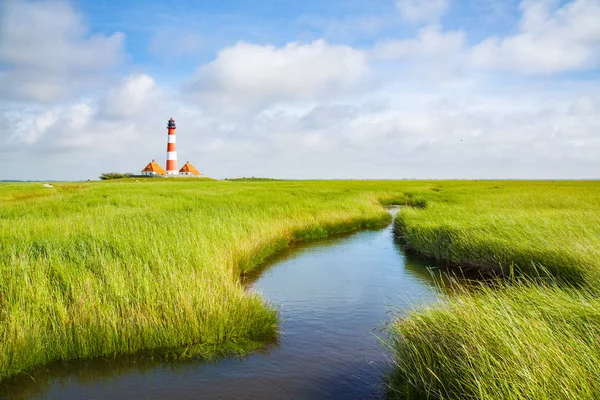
x,y
279,88
217,24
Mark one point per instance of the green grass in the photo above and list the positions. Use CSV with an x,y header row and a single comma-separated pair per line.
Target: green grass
x,y
125,267
500,224
520,341
536,336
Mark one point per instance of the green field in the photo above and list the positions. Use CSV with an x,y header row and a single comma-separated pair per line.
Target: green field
x,y
121,267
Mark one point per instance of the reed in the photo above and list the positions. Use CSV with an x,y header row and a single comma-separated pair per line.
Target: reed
x,y
533,334
517,341
503,225
153,267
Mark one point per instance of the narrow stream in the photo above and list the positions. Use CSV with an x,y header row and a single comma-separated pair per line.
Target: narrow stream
x,y
334,296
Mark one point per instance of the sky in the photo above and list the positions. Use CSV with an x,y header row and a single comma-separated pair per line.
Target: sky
x,y
390,89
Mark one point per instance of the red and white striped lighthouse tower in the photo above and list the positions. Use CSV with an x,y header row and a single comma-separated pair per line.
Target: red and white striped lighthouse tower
x,y
171,150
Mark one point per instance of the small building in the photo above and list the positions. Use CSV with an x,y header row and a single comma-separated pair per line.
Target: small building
x,y
153,169
189,170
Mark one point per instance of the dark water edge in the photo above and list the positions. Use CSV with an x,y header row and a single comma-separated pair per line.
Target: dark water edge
x,y
334,297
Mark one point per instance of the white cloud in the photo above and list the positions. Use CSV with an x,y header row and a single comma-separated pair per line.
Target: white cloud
x,y
114,124
431,42
46,50
585,106
422,10
406,132
457,129
137,94
551,39
65,129
249,75
433,56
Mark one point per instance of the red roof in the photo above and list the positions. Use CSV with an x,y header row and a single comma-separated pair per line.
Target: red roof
x,y
154,167
188,167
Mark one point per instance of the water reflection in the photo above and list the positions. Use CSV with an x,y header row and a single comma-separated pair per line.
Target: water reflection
x,y
333,296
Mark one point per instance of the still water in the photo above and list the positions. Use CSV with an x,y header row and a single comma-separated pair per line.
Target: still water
x,y
334,297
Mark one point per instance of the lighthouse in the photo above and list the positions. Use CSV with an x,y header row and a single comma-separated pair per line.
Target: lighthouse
x,y
171,149
155,170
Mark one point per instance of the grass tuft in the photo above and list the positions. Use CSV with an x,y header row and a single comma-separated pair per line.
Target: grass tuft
x,y
522,340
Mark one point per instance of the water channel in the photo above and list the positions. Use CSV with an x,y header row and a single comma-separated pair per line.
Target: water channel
x,y
334,297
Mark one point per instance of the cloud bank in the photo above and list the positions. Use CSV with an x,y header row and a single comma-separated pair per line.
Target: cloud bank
x,y
425,101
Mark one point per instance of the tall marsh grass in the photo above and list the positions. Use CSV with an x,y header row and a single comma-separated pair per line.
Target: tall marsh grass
x,y
501,225
119,267
533,336
517,341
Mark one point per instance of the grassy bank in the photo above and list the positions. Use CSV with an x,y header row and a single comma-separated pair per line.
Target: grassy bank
x,y
121,267
527,224
528,338
520,341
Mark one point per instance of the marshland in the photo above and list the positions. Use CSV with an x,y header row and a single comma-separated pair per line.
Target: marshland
x,y
153,269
